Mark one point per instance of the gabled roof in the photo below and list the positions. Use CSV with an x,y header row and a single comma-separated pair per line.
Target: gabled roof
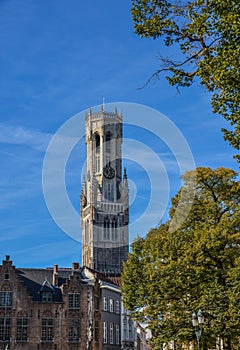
x,y
38,280
47,287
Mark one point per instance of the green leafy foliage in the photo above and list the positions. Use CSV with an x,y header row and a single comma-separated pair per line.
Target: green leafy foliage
x,y
171,274
207,33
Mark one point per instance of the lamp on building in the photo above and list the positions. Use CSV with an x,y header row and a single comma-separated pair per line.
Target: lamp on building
x,y
197,321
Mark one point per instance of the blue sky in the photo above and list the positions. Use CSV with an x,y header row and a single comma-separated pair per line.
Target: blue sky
x,y
57,59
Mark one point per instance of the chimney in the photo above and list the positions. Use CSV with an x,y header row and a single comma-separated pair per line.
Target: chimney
x,y
75,266
7,261
55,275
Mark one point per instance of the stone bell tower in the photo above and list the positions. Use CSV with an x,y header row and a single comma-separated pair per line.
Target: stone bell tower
x,y
104,195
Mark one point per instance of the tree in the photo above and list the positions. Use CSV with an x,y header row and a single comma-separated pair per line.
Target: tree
x,y
171,274
207,35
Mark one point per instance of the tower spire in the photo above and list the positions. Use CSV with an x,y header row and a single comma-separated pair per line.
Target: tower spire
x,y
103,104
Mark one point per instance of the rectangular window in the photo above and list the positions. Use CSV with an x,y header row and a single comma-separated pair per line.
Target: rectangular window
x,y
96,303
124,327
5,328
111,333
74,301
47,297
74,330
111,305
117,307
105,306
129,329
47,329
22,329
117,334
97,331
104,332
5,299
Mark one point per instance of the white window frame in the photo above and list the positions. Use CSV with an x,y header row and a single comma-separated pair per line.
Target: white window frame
x,y
111,333
117,334
105,304
111,304
104,332
117,307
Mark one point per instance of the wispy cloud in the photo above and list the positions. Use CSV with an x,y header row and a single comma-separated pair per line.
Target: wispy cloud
x,y
19,135
20,177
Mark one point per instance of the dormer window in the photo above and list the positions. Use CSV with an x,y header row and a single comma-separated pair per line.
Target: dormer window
x,y
46,292
47,297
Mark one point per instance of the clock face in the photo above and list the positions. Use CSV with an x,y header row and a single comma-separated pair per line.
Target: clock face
x,y
108,172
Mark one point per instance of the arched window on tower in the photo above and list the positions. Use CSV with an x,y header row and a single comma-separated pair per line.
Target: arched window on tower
x,y
97,143
108,138
106,228
86,230
97,152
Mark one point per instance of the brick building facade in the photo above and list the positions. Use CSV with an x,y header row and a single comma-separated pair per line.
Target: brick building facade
x,y
53,308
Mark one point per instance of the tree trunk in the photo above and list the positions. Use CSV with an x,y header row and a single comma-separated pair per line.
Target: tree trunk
x,y
219,344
